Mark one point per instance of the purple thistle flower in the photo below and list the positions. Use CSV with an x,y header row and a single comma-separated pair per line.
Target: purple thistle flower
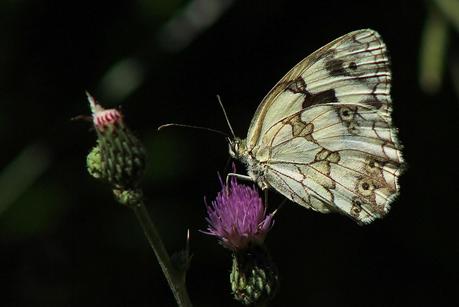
x,y
238,217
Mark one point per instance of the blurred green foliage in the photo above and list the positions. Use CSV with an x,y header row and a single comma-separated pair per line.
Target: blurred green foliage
x,y
442,15
35,213
21,173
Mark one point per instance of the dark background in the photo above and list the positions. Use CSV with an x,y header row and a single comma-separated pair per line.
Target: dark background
x,y
65,242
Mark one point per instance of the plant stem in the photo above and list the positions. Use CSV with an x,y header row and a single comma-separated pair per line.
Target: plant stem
x,y
175,279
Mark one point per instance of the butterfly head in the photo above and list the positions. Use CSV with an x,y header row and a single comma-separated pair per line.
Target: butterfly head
x,y
236,148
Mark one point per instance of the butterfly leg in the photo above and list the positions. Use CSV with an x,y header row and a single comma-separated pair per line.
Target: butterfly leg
x,y
266,198
238,176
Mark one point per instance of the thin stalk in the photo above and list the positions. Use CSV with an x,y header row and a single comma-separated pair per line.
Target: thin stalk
x,y
175,279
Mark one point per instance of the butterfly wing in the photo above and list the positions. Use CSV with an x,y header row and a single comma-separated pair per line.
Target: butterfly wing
x,y
325,134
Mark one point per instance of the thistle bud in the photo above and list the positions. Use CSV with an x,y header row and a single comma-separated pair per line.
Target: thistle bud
x,y
94,163
254,277
130,197
119,157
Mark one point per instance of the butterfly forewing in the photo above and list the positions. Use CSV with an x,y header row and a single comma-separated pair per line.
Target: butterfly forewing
x,y
323,136
354,67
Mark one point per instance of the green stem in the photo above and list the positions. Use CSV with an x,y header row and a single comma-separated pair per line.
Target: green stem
x,y
175,279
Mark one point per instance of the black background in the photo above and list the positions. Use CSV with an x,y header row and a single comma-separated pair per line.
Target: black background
x,y
65,242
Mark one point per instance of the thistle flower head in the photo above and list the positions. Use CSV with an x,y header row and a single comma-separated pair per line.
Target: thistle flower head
x,y
238,217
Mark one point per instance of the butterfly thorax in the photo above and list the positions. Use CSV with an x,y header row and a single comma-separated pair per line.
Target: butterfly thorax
x,y
255,168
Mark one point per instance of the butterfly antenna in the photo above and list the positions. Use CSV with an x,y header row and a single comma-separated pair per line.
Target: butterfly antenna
x,y
226,116
193,127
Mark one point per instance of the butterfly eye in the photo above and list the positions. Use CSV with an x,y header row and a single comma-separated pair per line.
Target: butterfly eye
x,y
232,148
236,148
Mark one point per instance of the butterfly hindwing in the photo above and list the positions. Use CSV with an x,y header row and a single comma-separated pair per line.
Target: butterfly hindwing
x,y
324,158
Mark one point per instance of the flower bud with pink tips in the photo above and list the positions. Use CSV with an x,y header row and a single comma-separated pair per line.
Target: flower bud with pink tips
x,y
119,157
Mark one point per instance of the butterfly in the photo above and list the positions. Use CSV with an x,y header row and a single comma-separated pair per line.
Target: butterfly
x,y
323,136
